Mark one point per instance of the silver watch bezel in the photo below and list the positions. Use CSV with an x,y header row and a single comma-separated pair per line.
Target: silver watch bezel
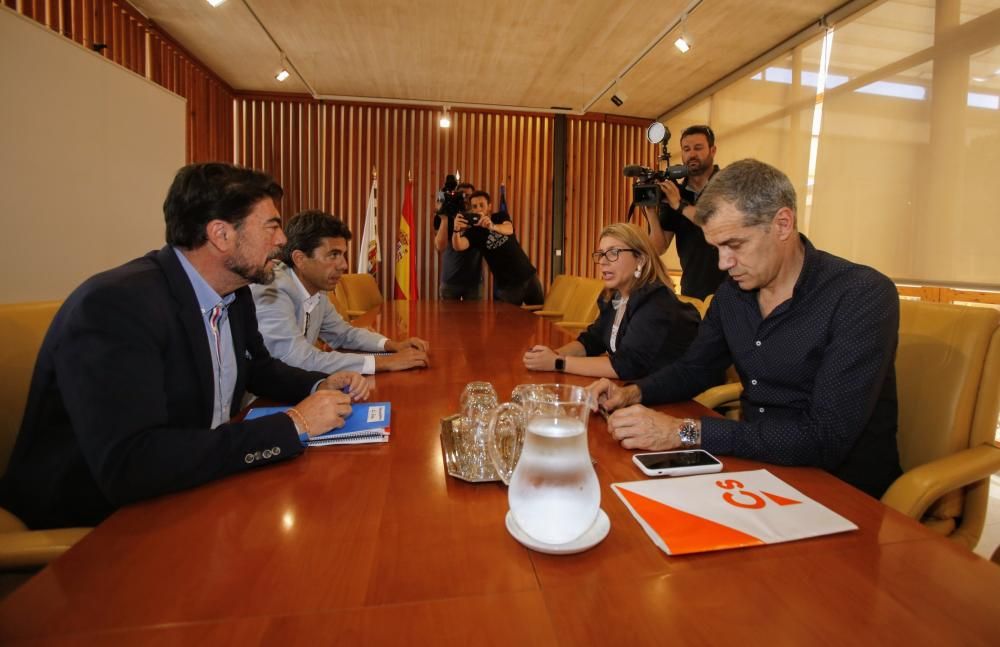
x,y
689,434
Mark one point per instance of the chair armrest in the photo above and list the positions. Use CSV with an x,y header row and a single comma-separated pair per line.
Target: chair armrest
x,y
36,547
549,314
530,308
355,313
721,395
915,491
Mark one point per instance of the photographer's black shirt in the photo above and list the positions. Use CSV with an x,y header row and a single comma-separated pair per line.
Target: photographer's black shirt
x,y
508,262
701,275
459,269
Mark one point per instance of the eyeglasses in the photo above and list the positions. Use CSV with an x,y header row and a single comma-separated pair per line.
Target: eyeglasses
x,y
611,254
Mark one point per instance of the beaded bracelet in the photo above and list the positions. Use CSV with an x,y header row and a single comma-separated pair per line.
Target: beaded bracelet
x,y
300,422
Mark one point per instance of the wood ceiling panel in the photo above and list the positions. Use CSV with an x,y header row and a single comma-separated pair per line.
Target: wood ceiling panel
x,y
517,53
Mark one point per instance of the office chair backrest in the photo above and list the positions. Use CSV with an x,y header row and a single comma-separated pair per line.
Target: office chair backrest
x,y
948,386
582,306
22,328
362,292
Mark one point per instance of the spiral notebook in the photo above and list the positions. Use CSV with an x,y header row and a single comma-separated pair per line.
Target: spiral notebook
x,y
368,423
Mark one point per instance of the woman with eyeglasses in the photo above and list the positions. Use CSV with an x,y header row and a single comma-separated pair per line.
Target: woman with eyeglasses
x,y
642,325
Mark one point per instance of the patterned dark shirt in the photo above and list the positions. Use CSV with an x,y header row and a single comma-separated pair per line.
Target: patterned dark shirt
x,y
818,373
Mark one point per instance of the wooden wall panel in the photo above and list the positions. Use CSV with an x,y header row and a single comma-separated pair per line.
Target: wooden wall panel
x,y
323,153
596,192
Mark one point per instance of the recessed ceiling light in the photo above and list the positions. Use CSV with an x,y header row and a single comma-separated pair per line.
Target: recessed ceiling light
x,y
215,3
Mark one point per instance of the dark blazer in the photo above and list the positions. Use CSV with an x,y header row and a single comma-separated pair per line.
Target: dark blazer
x,y
121,399
655,330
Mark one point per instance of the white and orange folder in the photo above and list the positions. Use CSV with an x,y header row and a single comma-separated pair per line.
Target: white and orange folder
x,y
725,510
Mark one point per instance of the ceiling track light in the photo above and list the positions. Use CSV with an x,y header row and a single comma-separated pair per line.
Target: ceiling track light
x,y
282,70
215,3
445,121
683,42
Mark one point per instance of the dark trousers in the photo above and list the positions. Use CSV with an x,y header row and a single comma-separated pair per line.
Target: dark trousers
x,y
452,292
529,292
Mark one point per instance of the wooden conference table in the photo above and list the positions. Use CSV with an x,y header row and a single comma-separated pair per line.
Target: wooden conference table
x,y
376,545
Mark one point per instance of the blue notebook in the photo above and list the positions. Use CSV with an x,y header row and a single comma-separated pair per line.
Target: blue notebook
x,y
368,423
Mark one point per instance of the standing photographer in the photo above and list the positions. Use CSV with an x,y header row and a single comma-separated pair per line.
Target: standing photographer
x,y
493,234
461,273
701,275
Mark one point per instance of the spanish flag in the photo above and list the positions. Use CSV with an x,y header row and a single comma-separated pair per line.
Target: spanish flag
x,y
406,269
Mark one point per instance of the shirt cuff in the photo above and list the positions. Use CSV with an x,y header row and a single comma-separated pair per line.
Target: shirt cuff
x,y
315,386
369,365
717,436
381,344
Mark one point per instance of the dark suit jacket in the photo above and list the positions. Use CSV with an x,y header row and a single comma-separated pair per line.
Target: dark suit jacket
x,y
121,399
655,330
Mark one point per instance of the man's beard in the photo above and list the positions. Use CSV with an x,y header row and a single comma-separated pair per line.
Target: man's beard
x,y
259,274
701,167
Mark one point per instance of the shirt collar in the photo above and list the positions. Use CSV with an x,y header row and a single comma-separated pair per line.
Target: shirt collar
x,y
308,301
207,297
810,260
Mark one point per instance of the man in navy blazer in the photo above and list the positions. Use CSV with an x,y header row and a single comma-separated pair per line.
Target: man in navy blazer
x,y
145,364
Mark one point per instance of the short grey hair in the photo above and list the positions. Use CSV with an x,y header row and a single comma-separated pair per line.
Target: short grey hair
x,y
756,189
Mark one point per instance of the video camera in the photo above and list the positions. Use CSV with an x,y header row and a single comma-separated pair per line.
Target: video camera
x,y
452,200
645,192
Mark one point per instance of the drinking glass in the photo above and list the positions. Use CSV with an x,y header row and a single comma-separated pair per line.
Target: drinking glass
x,y
478,400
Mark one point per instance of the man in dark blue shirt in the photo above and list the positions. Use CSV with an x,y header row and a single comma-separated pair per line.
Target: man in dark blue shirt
x,y
813,338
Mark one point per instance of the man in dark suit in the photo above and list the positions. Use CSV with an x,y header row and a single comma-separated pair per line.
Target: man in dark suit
x,y
144,365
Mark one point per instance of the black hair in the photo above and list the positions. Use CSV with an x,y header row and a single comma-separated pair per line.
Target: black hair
x,y
481,194
700,129
201,193
466,185
306,231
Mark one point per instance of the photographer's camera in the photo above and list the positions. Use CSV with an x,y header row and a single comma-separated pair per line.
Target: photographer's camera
x,y
645,191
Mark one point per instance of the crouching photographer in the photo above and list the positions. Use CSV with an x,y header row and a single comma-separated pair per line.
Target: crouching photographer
x,y
493,235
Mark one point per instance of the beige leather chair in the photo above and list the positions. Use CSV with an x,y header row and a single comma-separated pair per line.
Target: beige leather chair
x,y
558,298
948,374
362,293
582,307
948,385
22,328
702,306
338,297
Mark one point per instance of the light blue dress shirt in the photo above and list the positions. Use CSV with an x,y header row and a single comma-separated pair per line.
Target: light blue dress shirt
x,y
223,354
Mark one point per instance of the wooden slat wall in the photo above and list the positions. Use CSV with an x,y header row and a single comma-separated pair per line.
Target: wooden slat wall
x,y
133,42
323,154
597,194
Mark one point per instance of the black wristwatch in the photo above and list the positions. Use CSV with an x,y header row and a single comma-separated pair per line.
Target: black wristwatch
x,y
560,364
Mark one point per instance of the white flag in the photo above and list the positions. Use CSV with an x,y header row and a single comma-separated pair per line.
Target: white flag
x,y
370,252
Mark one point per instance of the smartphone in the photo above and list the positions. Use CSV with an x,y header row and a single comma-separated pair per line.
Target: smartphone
x,y
682,462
